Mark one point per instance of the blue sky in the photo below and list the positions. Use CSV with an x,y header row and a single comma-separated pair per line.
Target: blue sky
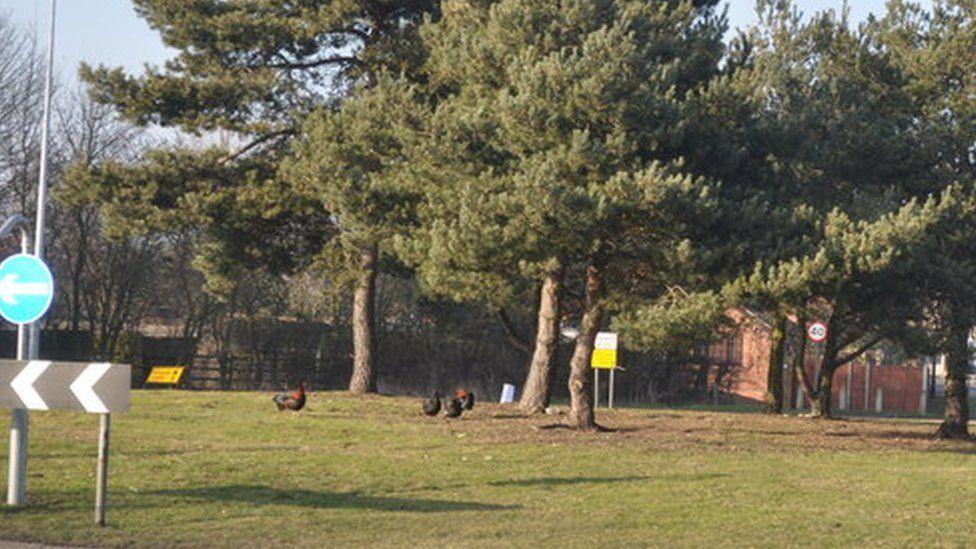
x,y
109,32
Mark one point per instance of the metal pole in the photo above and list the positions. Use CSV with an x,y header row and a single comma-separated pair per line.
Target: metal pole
x,y
35,327
611,388
45,131
17,473
923,397
101,481
867,385
847,389
20,424
21,329
596,388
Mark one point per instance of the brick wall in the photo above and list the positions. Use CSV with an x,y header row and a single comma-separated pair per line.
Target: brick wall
x,y
901,385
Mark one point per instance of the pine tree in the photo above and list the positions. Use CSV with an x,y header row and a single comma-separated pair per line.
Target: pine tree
x,y
935,47
846,153
257,70
557,144
350,159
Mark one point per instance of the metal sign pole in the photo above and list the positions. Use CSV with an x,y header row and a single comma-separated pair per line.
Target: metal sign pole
x,y
35,327
611,387
45,130
596,388
17,466
16,488
101,481
17,473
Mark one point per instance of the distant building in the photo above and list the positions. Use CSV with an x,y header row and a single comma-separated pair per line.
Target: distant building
x,y
937,368
876,382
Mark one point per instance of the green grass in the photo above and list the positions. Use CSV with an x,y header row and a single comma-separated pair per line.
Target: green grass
x,y
206,469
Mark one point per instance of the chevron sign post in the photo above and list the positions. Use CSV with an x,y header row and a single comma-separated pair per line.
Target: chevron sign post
x,y
96,388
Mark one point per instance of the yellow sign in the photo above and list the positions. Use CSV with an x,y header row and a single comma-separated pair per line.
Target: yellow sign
x,y
604,351
166,375
604,359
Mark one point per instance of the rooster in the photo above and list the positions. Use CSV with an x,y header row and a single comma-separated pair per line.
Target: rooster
x,y
294,401
453,408
432,406
466,397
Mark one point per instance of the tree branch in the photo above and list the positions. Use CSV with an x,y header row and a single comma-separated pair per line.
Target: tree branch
x,y
514,338
255,143
859,351
338,60
363,35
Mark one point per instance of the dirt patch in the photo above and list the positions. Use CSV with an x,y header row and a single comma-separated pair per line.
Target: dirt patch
x,y
680,430
657,429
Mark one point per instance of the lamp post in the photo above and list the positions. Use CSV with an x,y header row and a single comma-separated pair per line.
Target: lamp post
x,y
17,473
35,328
16,480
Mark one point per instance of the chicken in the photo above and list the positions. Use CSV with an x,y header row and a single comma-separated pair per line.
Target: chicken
x,y
453,408
432,406
466,397
294,401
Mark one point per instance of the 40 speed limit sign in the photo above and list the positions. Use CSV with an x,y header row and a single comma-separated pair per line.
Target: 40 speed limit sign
x,y
817,332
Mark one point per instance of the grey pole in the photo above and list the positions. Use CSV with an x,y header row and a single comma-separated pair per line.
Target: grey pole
x,y
101,480
45,131
35,328
596,388
17,474
611,388
17,462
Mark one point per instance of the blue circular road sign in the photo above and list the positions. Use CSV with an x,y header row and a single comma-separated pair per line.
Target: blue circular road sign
x,y
26,289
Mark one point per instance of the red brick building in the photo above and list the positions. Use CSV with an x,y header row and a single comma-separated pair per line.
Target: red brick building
x,y
875,383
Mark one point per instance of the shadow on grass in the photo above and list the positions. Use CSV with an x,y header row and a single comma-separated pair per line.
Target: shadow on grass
x,y
949,446
566,481
965,447
263,495
562,481
513,415
6,510
86,454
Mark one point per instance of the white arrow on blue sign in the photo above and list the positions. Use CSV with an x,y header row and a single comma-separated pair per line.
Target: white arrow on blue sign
x,y
26,289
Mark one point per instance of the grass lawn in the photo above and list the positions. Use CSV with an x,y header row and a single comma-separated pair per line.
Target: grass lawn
x,y
225,469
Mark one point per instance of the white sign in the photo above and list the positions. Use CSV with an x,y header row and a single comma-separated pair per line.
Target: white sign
x,y
96,388
508,393
817,332
606,341
604,351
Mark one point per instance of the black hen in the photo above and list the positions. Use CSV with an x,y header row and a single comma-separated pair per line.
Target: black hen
x,y
466,397
432,406
453,408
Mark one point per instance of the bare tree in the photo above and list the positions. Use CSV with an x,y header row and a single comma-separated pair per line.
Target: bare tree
x,y
21,93
87,133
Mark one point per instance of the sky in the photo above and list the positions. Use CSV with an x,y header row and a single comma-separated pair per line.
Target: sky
x,y
109,32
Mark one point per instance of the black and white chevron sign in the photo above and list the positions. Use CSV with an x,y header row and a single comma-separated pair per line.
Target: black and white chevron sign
x,y
98,388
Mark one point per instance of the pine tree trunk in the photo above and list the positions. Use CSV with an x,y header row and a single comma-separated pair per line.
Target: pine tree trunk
x,y
363,378
799,363
580,385
956,422
820,407
820,404
535,392
777,356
